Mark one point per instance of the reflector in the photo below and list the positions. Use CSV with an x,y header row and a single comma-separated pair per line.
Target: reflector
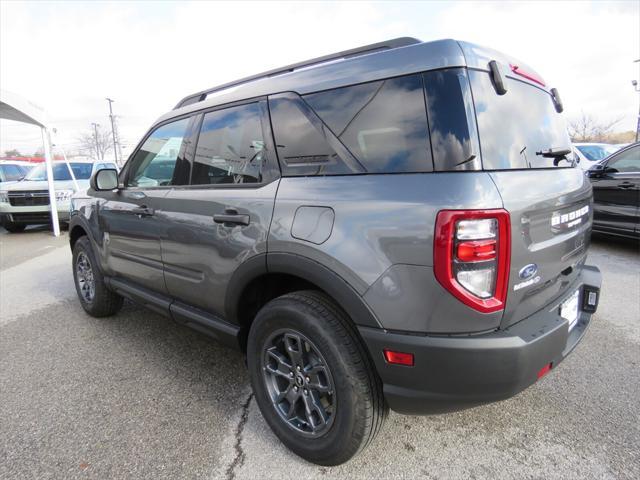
x,y
398,358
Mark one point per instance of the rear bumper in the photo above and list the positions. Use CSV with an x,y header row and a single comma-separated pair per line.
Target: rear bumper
x,y
453,373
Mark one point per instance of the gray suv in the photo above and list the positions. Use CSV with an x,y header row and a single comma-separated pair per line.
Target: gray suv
x,y
394,226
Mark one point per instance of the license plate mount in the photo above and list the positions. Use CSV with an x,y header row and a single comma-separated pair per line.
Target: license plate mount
x,y
569,309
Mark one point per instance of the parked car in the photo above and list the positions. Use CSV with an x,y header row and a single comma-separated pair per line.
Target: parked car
x,y
12,171
361,256
616,193
26,202
591,153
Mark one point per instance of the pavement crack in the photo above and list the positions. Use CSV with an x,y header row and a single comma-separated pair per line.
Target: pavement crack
x,y
239,458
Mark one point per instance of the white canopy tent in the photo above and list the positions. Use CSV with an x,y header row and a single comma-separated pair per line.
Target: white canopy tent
x,y
19,109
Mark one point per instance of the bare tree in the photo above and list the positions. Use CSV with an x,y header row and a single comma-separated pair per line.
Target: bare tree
x,y
588,129
12,153
95,143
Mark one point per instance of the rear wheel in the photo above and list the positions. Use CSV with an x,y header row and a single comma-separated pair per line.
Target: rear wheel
x,y
14,227
313,380
96,299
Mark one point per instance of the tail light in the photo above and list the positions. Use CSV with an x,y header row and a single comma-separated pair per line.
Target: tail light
x,y
471,256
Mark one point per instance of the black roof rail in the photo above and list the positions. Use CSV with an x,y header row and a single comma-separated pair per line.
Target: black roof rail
x,y
354,52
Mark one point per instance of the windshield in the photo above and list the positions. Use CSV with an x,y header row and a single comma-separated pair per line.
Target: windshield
x,y
516,125
593,152
82,171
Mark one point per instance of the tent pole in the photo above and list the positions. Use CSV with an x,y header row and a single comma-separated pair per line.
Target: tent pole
x,y
52,191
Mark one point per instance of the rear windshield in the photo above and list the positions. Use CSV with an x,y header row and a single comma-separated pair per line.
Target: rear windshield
x,y
516,125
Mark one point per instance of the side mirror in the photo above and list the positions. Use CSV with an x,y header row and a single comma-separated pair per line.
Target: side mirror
x,y
596,171
105,179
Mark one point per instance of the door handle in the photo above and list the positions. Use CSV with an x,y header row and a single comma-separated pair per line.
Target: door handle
x,y
143,211
625,185
231,217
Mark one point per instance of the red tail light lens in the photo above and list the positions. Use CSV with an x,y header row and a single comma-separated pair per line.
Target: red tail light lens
x,y
472,251
477,250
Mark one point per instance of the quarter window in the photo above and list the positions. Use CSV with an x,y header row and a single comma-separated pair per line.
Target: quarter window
x,y
231,148
383,124
303,145
154,164
451,120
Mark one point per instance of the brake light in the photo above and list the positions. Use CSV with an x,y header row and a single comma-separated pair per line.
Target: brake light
x,y
472,256
526,74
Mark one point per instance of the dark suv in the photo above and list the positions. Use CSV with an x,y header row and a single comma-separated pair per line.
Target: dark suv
x,y
390,226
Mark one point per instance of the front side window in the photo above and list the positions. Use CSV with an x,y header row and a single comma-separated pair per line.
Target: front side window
x,y
154,164
383,124
231,147
627,161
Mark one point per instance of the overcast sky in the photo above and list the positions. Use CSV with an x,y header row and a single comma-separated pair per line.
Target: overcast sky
x,y
68,56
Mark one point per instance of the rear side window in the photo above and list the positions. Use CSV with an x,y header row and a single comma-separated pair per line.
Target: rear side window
x,y
515,127
383,124
230,148
454,136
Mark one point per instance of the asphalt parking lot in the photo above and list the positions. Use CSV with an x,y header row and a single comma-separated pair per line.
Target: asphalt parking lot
x,y
137,396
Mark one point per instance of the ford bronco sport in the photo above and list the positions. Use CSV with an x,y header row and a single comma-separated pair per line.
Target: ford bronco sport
x,y
395,226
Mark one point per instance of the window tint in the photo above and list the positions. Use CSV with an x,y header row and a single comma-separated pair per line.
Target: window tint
x,y
454,137
155,162
383,124
303,146
230,148
516,125
627,161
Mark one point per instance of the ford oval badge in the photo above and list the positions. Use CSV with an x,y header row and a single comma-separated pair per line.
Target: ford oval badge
x,y
528,271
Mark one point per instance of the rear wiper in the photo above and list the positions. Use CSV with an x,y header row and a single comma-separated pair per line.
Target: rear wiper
x,y
558,154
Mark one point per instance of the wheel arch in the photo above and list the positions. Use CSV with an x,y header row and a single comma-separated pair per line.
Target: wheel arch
x,y
267,276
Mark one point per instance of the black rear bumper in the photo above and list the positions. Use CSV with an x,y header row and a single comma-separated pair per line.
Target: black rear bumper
x,y
453,373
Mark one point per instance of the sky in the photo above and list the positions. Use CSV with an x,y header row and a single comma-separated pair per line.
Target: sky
x,y
68,56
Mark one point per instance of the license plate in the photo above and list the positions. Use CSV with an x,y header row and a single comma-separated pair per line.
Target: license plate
x,y
569,309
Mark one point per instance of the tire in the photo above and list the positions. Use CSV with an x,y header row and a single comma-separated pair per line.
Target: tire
x,y
97,300
14,227
342,378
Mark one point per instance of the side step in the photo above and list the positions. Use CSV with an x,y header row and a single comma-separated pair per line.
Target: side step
x,y
204,322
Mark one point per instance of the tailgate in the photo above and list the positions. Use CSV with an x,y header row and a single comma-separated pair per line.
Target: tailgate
x,y
551,216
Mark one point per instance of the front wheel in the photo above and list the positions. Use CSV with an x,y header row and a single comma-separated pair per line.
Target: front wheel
x,y
313,380
96,299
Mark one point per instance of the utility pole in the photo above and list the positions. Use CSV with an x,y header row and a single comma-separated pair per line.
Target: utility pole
x,y
113,131
95,129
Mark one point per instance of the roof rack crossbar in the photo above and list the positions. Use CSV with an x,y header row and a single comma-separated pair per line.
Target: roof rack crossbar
x,y
354,52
